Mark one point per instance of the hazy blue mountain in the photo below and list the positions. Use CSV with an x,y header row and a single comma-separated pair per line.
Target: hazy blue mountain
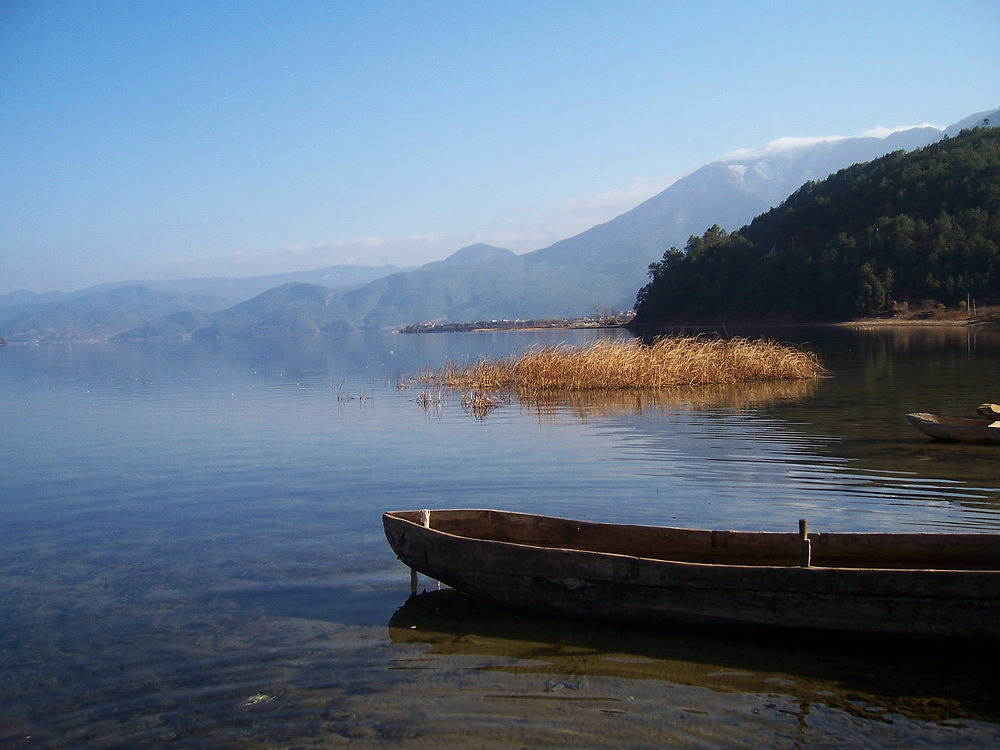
x,y
228,290
293,309
179,325
96,315
166,309
464,282
473,254
480,281
234,290
989,118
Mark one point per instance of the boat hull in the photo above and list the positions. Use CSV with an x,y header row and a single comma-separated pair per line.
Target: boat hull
x,y
956,429
634,588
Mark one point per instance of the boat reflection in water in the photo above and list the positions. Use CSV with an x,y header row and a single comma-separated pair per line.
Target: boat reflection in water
x,y
873,679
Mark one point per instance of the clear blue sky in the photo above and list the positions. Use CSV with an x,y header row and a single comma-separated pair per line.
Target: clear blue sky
x,y
143,140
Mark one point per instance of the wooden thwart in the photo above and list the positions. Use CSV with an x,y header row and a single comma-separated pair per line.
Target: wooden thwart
x,y
805,558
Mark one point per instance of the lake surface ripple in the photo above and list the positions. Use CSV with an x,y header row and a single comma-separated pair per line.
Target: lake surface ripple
x,y
191,552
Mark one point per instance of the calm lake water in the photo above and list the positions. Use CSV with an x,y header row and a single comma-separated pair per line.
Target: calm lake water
x,y
191,551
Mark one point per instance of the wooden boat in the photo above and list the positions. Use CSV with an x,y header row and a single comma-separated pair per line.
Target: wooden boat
x,y
956,428
989,410
915,584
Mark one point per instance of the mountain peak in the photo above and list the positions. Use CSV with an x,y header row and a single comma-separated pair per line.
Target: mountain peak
x,y
989,118
479,253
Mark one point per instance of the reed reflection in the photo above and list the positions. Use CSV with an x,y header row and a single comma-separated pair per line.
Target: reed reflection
x,y
729,396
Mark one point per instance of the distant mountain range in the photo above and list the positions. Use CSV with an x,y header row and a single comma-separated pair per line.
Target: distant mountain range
x,y
103,311
228,291
602,267
96,315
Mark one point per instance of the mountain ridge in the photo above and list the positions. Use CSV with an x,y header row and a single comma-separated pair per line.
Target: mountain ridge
x,y
232,290
98,315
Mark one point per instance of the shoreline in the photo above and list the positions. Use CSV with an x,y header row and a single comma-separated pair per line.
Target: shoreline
x,y
861,323
990,321
916,323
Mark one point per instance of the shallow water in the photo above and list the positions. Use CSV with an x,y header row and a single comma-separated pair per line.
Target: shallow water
x,y
191,551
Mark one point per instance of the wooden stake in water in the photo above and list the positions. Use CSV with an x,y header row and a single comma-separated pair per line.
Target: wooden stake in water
x,y
425,521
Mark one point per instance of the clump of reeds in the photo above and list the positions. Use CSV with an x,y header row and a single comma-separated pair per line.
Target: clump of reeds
x,y
629,364
426,400
481,404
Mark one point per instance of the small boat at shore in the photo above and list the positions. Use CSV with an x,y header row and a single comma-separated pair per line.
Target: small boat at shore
x,y
913,584
956,429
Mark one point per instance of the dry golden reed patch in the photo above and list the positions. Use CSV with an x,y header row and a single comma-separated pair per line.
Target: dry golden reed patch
x,y
629,364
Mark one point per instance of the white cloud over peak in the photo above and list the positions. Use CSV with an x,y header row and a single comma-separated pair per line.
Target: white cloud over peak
x,y
779,145
790,143
880,131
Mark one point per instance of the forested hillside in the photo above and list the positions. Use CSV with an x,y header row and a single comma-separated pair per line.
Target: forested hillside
x,y
917,228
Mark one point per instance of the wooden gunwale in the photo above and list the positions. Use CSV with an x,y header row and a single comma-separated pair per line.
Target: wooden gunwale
x,y
868,550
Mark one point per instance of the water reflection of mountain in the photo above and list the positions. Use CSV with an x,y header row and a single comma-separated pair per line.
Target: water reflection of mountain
x,y
873,679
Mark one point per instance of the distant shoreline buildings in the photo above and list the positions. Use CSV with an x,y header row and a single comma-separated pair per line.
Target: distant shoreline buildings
x,y
609,319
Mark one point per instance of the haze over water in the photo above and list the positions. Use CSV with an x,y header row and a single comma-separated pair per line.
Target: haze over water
x,y
191,549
